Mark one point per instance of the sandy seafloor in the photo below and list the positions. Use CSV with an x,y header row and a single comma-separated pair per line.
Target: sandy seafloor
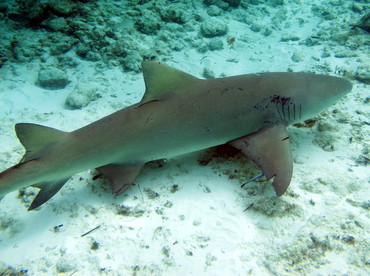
x,y
185,218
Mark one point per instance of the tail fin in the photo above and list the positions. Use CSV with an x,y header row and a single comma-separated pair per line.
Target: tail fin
x,y
37,139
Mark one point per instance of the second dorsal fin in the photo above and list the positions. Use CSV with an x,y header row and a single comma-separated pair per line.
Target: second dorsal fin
x,y
161,79
36,139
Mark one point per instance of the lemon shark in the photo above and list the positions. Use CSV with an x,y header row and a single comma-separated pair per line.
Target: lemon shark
x,y
178,114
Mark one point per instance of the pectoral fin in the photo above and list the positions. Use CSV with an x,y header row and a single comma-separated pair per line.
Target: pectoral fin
x,y
269,148
121,176
48,190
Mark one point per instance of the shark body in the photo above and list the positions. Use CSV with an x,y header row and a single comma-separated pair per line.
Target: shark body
x,y
178,114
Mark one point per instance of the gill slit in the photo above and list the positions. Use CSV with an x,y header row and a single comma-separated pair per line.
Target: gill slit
x,y
277,109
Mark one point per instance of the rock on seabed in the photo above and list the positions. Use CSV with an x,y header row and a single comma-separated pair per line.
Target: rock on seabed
x,y
52,78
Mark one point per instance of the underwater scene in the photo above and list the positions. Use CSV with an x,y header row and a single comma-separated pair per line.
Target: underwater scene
x,y
209,137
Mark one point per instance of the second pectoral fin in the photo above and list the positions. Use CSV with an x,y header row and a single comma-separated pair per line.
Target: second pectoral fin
x,y
269,148
121,176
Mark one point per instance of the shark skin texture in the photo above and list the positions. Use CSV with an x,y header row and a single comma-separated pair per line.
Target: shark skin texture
x,y
178,114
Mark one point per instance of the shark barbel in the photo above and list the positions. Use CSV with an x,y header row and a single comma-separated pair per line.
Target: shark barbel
x,y
178,114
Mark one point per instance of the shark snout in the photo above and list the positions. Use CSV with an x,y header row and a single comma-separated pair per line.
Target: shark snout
x,y
338,87
324,91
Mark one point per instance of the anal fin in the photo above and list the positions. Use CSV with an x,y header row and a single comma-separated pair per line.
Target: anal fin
x,y
47,191
121,175
269,148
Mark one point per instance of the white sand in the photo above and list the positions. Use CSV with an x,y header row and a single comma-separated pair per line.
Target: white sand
x,y
320,227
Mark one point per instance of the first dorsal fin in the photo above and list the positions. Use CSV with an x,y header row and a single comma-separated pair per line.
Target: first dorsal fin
x,y
36,139
161,79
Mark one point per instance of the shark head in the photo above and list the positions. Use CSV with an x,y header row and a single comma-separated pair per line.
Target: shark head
x,y
320,92
304,95
295,97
